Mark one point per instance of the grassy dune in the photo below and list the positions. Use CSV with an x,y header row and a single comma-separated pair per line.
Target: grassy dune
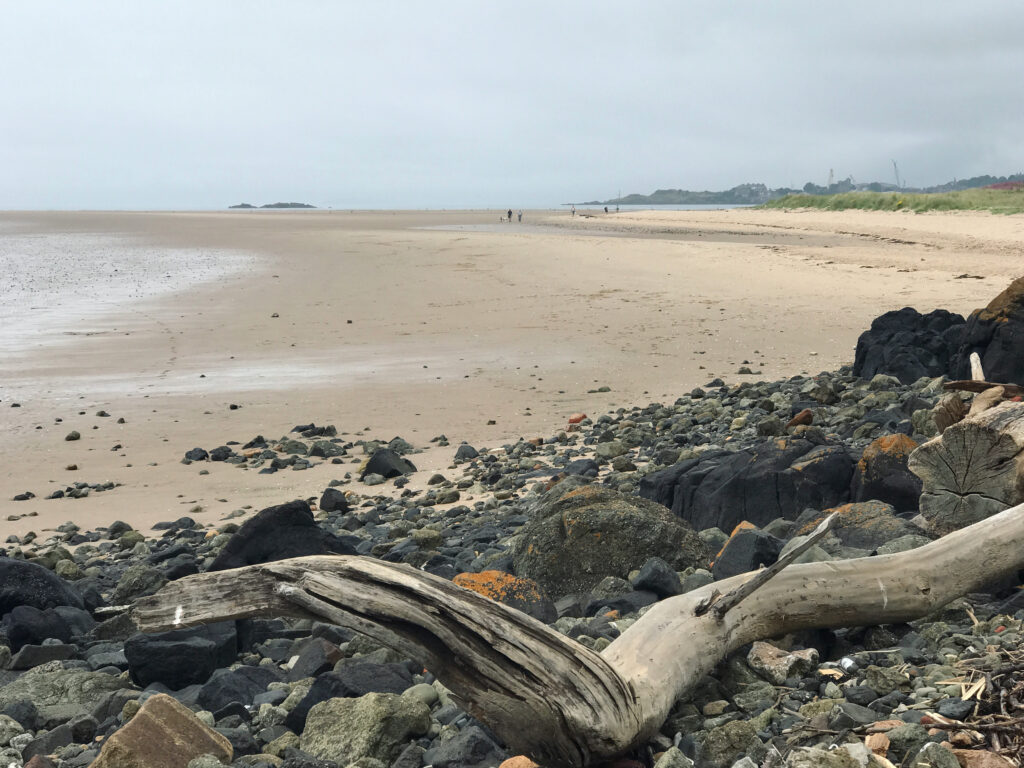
x,y
994,200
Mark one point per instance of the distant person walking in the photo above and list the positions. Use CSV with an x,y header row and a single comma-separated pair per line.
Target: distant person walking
x,y
606,209
574,210
520,217
510,215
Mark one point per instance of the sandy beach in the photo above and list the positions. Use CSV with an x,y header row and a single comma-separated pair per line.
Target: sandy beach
x,y
416,324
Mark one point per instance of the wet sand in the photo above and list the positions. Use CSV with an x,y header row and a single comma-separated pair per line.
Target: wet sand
x,y
426,323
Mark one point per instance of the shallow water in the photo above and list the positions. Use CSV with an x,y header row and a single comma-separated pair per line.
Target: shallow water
x,y
58,284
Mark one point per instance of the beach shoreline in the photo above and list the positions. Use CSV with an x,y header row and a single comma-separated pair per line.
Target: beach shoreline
x,y
418,324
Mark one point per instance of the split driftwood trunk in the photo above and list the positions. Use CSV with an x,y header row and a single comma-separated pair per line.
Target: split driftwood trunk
x,y
552,698
975,468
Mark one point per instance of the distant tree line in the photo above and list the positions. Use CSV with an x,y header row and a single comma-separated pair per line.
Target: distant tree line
x,y
755,194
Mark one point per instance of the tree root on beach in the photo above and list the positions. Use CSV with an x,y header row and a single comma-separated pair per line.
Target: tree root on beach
x,y
548,696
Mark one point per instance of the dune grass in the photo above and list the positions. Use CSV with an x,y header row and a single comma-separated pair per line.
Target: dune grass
x,y
994,200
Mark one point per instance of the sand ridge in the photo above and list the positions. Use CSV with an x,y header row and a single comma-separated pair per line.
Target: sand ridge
x,y
383,320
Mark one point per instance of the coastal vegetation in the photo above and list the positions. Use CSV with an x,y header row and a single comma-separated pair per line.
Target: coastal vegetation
x,y
1003,201
758,194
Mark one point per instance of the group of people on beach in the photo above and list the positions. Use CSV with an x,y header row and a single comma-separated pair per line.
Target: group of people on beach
x,y
510,216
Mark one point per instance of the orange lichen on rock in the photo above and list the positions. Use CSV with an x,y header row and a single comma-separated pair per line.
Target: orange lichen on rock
x,y
499,586
582,492
1005,304
858,514
741,526
897,447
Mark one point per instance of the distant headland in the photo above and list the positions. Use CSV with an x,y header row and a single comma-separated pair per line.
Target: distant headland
x,y
273,205
756,194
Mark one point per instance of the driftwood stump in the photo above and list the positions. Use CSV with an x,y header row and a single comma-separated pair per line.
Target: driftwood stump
x,y
552,698
976,467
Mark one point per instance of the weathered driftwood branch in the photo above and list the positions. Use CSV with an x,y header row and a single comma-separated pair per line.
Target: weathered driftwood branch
x,y
976,467
551,697
973,385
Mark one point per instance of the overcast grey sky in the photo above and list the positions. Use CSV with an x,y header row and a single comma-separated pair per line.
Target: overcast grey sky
x,y
193,104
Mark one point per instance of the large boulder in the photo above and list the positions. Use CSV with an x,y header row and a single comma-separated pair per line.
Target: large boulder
x,y
882,473
377,725
24,583
277,533
580,536
61,694
908,345
181,657
777,478
996,333
163,734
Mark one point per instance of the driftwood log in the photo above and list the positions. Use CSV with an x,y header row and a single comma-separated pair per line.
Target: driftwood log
x,y
975,468
546,695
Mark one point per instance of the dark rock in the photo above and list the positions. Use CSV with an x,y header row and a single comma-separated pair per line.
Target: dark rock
x,y
196,454
48,742
276,533
629,602
387,463
779,478
956,708
325,449
846,714
239,685
882,474
579,536
242,742
658,577
582,467
24,583
181,657
465,452
472,748
317,656
24,711
221,453
33,655
859,694
27,625
908,345
996,333
350,681
746,550
334,500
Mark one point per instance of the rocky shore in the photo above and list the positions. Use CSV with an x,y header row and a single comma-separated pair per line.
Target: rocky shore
x,y
583,530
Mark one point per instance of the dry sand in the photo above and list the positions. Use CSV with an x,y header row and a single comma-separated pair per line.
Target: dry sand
x,y
426,323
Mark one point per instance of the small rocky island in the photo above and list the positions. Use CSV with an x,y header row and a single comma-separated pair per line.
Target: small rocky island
x,y
273,205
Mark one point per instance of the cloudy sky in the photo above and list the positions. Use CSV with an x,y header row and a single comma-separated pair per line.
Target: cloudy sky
x,y
200,104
